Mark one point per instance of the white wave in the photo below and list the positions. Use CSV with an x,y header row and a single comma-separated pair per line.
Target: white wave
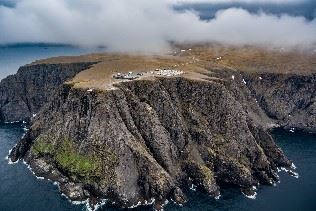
x,y
10,162
13,122
253,196
290,172
218,197
135,205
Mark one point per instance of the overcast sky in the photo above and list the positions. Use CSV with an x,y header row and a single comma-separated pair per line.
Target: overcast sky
x,y
148,25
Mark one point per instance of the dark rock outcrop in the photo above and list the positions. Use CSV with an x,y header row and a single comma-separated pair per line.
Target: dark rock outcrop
x,y
23,94
149,140
288,99
152,139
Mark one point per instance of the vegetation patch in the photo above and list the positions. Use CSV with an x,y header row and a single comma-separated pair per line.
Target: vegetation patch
x,y
68,157
96,166
42,145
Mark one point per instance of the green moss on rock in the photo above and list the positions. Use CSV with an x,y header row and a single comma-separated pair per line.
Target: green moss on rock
x,y
95,166
41,146
68,157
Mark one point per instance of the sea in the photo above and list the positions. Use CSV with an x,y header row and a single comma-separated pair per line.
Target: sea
x,y
14,56
20,190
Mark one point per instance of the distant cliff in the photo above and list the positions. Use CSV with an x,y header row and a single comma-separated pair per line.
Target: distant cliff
x,y
288,99
23,94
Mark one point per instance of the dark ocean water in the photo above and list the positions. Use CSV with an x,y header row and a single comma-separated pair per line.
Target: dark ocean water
x,y
12,57
20,190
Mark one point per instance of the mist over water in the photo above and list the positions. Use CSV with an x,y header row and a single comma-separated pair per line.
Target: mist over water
x,y
148,26
207,11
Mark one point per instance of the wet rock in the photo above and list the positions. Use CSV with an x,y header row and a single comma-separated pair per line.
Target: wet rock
x,y
178,196
73,191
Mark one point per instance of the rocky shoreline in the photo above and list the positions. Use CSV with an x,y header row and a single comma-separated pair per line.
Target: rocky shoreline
x,y
149,141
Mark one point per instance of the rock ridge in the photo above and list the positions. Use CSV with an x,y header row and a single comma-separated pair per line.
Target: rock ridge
x,y
150,140
23,94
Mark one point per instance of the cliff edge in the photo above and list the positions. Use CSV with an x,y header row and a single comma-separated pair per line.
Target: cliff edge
x,y
150,139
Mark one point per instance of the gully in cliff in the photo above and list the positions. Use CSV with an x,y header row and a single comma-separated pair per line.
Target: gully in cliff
x,y
149,140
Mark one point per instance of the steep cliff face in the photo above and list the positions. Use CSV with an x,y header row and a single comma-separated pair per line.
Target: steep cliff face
x,y
288,99
152,139
23,94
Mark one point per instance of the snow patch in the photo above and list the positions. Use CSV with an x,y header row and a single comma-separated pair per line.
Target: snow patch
x,y
233,77
243,80
193,187
89,90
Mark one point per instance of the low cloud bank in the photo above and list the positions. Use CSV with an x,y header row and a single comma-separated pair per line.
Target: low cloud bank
x,y
146,26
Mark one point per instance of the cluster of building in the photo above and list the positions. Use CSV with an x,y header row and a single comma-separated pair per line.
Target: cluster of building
x,y
166,72
157,72
127,76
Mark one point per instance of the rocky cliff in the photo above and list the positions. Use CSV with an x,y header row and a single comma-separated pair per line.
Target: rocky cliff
x,y
23,94
150,140
288,99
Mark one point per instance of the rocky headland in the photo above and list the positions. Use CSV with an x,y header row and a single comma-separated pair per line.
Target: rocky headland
x,y
150,139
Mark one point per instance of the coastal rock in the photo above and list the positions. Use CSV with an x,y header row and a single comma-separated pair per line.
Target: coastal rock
x,y
149,139
23,94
